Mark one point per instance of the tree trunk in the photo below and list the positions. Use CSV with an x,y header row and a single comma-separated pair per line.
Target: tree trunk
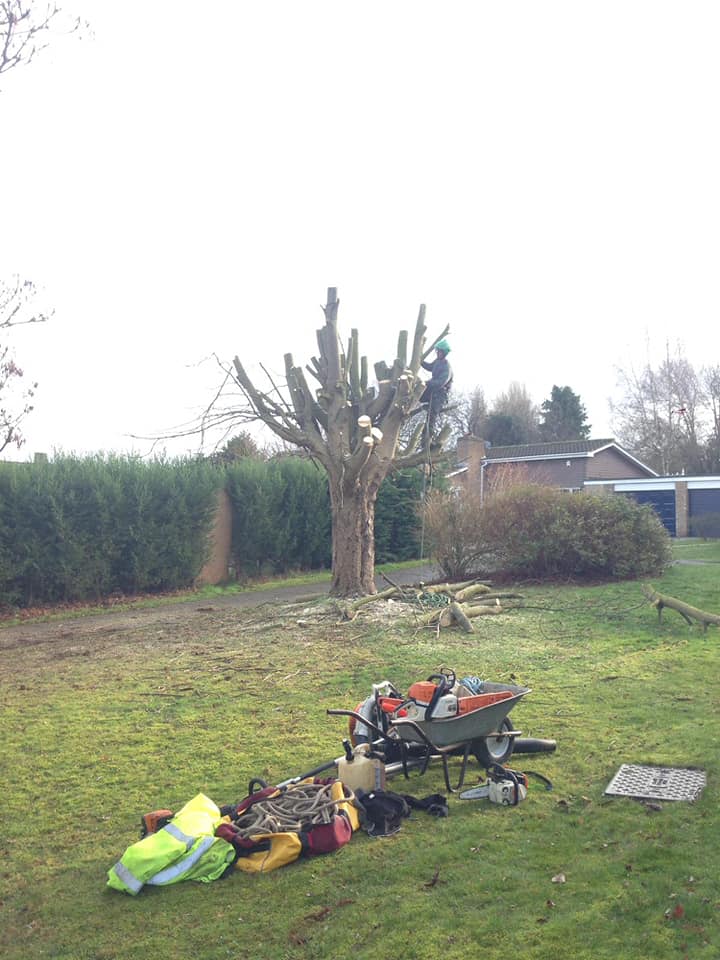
x,y
353,539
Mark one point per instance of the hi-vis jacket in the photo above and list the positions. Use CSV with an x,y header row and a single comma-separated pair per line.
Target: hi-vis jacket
x,y
186,849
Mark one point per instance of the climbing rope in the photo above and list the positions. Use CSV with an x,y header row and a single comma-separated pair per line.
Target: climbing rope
x,y
300,806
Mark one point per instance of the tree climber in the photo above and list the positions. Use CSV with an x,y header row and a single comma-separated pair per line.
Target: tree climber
x,y
438,386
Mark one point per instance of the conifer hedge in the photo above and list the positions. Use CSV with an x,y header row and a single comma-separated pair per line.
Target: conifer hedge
x,y
77,529
281,516
83,529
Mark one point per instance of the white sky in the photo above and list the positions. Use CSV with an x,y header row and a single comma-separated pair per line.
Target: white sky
x,y
543,175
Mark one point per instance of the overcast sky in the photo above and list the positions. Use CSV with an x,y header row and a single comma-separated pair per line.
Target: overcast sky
x,y
190,179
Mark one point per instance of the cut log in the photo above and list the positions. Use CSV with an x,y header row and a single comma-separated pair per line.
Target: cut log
x,y
688,613
351,608
462,596
461,617
483,610
450,588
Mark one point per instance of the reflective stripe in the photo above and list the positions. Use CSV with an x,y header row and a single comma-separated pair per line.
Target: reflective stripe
x,y
129,879
177,869
176,832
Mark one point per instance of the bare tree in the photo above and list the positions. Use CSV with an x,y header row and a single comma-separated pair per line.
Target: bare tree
x,y
516,412
15,394
468,413
710,383
666,414
26,27
352,429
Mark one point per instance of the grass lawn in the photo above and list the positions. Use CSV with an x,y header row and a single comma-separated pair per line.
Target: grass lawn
x,y
104,719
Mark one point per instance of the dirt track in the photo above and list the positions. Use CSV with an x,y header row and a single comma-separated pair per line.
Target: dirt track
x,y
184,618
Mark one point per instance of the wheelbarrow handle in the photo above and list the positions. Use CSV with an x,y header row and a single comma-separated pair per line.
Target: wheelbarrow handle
x,y
360,719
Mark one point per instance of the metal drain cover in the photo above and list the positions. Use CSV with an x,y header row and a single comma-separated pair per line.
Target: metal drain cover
x,y
656,783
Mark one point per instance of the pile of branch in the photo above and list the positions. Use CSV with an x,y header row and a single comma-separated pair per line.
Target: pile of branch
x,y
688,613
449,603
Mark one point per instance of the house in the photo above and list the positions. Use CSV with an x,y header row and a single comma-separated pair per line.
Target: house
x,y
686,505
568,464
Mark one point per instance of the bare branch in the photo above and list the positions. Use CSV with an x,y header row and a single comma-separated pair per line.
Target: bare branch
x,y
26,27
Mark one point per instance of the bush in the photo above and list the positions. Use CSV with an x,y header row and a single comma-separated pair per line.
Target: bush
x,y
452,525
540,532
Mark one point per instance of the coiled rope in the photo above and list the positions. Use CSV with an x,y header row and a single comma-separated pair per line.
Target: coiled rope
x,y
299,807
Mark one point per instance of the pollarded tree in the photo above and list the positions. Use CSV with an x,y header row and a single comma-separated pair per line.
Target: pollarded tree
x,y
353,429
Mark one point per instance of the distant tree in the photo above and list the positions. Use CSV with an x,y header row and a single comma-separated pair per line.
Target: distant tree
x,y
238,447
563,416
514,418
26,27
15,393
468,413
669,415
710,381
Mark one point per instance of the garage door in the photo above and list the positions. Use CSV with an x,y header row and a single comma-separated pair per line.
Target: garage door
x,y
704,506
662,501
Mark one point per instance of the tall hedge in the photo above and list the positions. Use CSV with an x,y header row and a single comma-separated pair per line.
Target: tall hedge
x,y
397,517
282,522
281,516
84,528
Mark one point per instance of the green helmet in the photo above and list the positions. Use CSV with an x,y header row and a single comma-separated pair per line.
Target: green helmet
x,y
443,345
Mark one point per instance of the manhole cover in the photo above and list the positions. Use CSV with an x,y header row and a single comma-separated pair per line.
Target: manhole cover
x,y
656,783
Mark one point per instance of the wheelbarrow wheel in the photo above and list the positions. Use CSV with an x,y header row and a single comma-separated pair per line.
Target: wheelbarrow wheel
x,y
491,750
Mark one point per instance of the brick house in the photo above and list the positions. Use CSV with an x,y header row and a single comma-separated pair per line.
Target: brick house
x,y
567,464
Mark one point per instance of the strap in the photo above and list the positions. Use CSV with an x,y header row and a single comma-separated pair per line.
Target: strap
x,y
178,869
176,832
129,879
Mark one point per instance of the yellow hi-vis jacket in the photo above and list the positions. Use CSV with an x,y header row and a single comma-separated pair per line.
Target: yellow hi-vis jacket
x,y
185,849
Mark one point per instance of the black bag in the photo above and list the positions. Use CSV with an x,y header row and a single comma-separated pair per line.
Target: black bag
x,y
382,812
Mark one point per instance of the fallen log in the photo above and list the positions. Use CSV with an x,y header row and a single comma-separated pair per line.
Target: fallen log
x,y
483,610
445,616
351,609
450,588
461,617
462,596
688,613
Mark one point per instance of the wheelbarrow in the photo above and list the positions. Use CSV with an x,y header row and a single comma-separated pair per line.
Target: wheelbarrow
x,y
483,730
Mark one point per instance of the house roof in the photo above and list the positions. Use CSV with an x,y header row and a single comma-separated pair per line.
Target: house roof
x,y
566,450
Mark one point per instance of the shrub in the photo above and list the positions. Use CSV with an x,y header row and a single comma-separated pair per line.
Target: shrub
x,y
541,532
452,526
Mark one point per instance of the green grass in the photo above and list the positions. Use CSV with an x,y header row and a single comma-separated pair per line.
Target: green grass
x,y
101,724
697,549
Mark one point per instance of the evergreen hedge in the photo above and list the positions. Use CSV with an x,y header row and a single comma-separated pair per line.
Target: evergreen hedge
x,y
281,516
78,529
282,521
82,529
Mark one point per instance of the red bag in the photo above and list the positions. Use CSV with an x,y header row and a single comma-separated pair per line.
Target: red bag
x,y
326,837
